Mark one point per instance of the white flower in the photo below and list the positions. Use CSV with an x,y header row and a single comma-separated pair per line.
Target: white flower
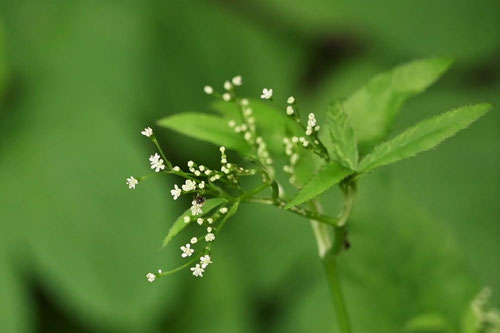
x,y
176,168
187,251
237,80
205,261
190,164
228,85
196,208
289,110
226,97
187,219
209,229
222,149
159,271
156,162
197,270
199,220
147,132
176,192
131,182
266,93
210,237
210,220
194,240
189,185
202,184
151,277
208,90
223,210
231,123
154,158
244,102
290,100
197,173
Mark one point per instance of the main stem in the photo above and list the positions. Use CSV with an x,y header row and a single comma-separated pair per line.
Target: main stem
x,y
328,252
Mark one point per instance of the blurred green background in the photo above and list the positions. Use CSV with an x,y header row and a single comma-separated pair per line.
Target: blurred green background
x,y
80,79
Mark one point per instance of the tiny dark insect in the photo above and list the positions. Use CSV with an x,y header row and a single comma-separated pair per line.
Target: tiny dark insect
x,y
200,200
347,244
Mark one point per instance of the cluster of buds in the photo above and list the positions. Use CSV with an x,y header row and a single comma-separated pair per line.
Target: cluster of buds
x,y
311,124
293,158
201,181
487,319
228,87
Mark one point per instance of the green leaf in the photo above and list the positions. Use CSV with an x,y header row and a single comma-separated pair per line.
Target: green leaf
x,y
372,108
179,224
329,175
207,128
345,148
423,136
427,322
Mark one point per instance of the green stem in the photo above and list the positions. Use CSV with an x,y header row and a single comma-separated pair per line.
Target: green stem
x,y
329,251
155,141
330,264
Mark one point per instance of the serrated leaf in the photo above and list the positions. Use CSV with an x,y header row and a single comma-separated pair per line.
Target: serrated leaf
x,y
179,224
372,108
326,177
423,136
345,147
206,128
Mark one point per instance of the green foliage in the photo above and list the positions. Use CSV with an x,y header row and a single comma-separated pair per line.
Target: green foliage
x,y
345,148
329,175
372,108
423,136
114,66
207,128
427,323
179,224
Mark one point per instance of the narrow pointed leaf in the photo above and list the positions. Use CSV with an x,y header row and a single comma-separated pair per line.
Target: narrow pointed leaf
x,y
179,224
423,136
326,177
372,108
345,147
206,127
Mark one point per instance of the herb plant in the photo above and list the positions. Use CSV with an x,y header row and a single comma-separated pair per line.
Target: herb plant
x,y
288,161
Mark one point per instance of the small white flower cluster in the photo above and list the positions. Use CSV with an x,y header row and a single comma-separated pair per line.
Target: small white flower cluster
x,y
151,277
196,207
228,86
293,158
188,186
263,153
199,269
266,93
226,167
289,109
187,251
311,124
301,141
131,182
198,170
156,162
147,132
486,317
